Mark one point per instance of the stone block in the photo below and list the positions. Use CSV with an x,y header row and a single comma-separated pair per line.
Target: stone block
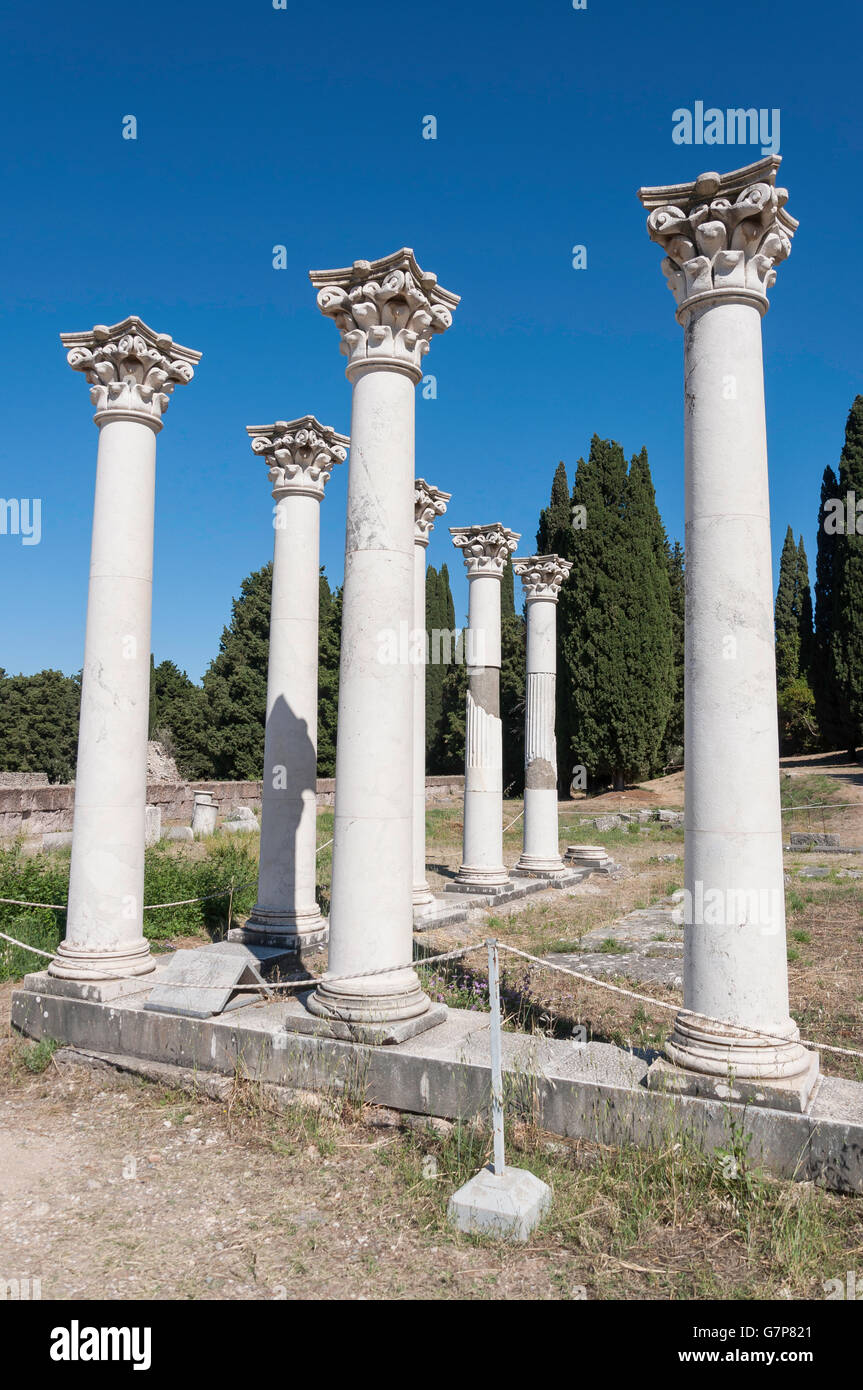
x,y
179,832
509,1205
57,839
807,839
152,825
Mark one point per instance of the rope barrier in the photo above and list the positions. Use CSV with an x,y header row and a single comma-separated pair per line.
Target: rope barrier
x,y
461,951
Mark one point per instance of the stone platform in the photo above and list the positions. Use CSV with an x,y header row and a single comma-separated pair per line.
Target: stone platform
x,y
591,1091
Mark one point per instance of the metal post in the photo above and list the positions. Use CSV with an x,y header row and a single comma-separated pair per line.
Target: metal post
x,y
496,1070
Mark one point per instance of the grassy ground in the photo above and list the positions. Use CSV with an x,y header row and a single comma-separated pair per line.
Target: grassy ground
x,y
184,1197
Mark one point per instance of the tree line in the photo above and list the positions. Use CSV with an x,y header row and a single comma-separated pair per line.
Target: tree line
x,y
620,657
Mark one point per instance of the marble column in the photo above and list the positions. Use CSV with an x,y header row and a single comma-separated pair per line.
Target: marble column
x,y
301,455
541,576
485,550
386,312
132,372
429,502
723,236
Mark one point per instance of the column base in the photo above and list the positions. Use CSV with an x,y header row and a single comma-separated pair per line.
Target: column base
x,y
470,876
79,962
400,997
716,1049
300,932
540,866
423,897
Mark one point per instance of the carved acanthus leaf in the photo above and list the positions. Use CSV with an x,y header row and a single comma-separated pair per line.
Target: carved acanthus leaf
x,y
385,310
300,454
485,549
722,233
542,575
131,369
429,503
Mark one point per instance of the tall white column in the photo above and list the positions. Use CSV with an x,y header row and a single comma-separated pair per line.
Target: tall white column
x,y
485,550
542,576
386,312
722,237
132,372
429,502
301,455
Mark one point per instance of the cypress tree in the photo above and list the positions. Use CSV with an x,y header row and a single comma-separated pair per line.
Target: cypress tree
x,y
646,630
673,753
435,670
805,611
594,674
787,616
823,669
450,747
179,719
329,647
512,682
848,589
553,534
236,682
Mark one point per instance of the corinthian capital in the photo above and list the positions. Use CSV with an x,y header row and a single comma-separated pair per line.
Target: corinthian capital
x,y
300,454
131,369
386,310
542,575
485,549
722,234
429,502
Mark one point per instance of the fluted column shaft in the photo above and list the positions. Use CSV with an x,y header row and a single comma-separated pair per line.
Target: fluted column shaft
x,y
486,550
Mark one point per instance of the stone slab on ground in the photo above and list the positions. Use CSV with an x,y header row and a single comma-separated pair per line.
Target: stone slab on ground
x,y
647,949
444,912
580,1091
515,888
510,1204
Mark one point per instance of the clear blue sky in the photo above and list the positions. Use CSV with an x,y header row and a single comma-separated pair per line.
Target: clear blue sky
x,y
303,126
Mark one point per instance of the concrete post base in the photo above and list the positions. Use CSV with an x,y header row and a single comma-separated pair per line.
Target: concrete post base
x,y
509,1205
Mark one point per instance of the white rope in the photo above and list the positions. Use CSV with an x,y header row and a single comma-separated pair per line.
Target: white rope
x,y
675,1008
512,822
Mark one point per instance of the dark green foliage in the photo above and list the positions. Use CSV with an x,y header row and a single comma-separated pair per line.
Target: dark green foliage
x,y
555,537
673,754
512,683
435,671
236,683
847,640
805,606
823,670
787,615
329,648
616,622
179,719
39,723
